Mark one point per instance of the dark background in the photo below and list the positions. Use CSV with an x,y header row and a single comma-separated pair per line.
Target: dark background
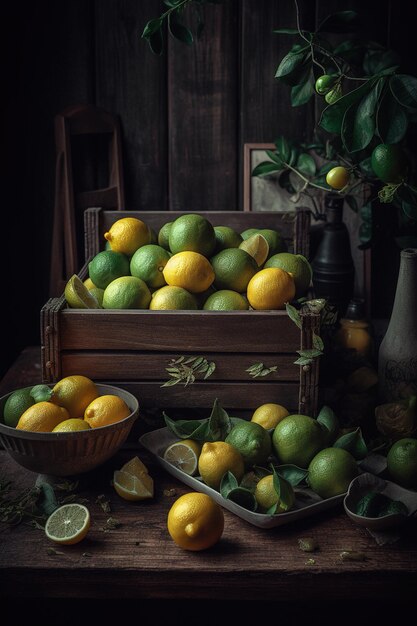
x,y
185,117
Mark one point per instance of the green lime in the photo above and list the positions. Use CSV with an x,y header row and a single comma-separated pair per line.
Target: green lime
x,y
106,266
334,94
295,264
226,300
163,235
226,237
389,162
98,294
248,233
275,241
325,82
233,269
297,439
148,263
402,462
252,441
173,298
193,233
126,292
16,404
78,296
331,471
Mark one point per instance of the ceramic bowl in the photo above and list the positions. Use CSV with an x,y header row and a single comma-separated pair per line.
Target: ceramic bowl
x,y
69,454
364,483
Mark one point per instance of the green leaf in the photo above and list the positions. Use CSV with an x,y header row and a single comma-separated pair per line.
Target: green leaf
x,y
219,422
379,61
303,361
47,501
244,498
41,393
152,27
228,483
178,30
332,116
327,167
293,314
290,65
354,443
309,354
302,93
404,90
283,149
284,491
306,164
409,210
366,167
156,43
366,212
286,31
391,119
275,158
318,342
189,429
341,22
292,473
358,125
265,168
351,201
329,422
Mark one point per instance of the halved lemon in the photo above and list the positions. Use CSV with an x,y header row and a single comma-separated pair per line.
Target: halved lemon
x,y
184,455
68,524
78,296
135,467
130,487
257,246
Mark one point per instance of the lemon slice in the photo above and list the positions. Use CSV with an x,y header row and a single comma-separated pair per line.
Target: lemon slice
x,y
184,455
257,246
131,487
78,296
135,467
68,524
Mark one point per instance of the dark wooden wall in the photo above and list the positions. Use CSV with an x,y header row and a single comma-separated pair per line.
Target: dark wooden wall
x,y
185,116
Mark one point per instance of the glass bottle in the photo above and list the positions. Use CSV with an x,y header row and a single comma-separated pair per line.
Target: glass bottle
x,y
397,357
354,332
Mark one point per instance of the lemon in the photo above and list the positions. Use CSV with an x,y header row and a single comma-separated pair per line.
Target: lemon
x,y
270,289
89,284
297,265
194,233
269,415
148,263
98,294
105,410
275,241
252,441
74,424
402,462
16,404
78,296
106,266
189,270
226,237
74,393
135,466
331,471
233,269
337,177
297,439
126,292
68,524
163,235
226,300
184,455
133,488
128,234
257,246
266,495
42,417
195,521
217,458
173,298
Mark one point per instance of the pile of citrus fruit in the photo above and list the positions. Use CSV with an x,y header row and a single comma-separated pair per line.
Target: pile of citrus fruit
x,y
190,264
72,404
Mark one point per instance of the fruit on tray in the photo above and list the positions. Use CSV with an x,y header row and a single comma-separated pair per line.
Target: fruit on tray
x,y
252,269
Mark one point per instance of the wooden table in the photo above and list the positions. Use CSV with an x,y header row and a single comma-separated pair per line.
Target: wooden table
x,y
138,559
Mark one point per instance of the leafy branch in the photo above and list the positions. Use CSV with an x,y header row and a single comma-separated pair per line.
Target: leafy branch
x,y
258,369
185,370
306,356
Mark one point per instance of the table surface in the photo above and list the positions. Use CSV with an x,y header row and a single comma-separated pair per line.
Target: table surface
x,y
138,559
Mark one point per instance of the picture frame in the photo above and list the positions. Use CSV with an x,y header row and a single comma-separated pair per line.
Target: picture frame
x,y
260,194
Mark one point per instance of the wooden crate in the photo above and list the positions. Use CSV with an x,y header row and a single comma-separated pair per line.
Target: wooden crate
x,y
132,348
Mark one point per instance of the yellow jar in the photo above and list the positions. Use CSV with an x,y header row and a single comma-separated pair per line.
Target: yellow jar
x,y
354,331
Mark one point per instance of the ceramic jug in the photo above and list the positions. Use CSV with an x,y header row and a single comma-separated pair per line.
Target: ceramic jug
x,y
397,357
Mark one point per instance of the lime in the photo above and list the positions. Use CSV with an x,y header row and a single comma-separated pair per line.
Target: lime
x,y
402,462
257,246
127,292
127,235
173,299
78,296
163,235
192,232
226,237
252,441
16,404
266,495
297,265
337,177
275,241
334,94
98,294
297,439
248,233
389,162
325,82
148,263
331,471
233,269
226,300
106,266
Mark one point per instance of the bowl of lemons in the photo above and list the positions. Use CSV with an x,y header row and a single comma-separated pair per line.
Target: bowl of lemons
x,y
68,428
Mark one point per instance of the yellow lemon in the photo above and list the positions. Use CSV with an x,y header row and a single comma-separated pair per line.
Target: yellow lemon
x,y
269,415
172,298
131,487
257,246
135,466
42,417
78,295
195,521
217,458
270,289
74,424
128,234
266,495
74,393
68,524
189,270
105,410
